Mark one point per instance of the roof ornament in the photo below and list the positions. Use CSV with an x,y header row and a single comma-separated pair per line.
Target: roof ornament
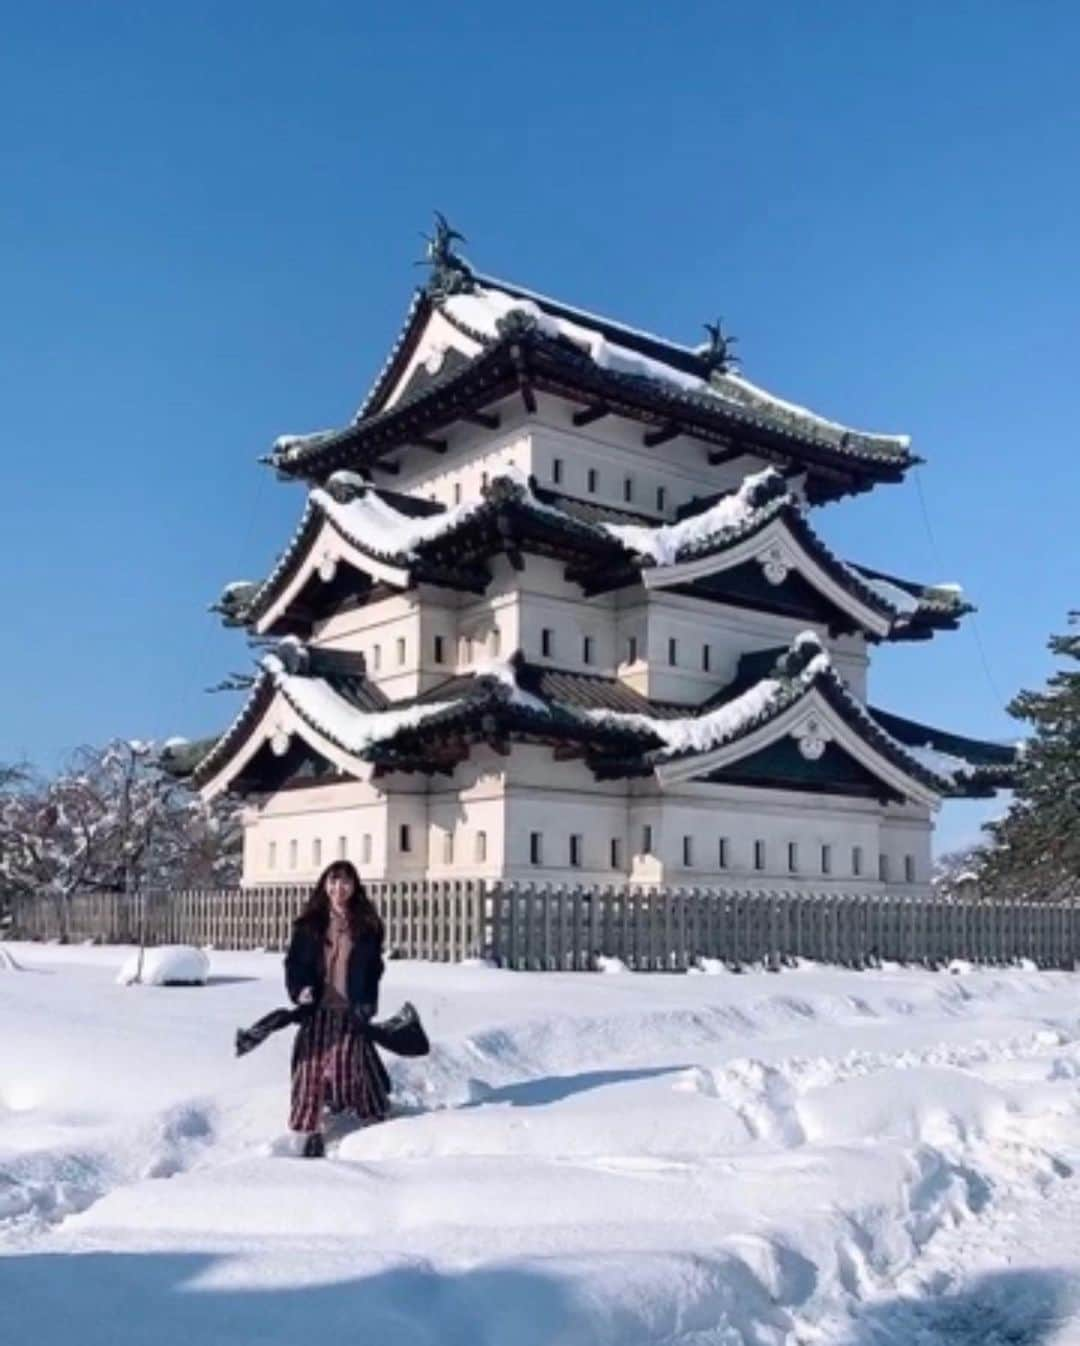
x,y
516,322
717,353
450,274
800,654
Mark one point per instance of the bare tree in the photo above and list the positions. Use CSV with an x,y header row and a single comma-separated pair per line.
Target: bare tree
x,y
113,822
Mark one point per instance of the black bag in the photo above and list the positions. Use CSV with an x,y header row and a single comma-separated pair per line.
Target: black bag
x,y
403,1034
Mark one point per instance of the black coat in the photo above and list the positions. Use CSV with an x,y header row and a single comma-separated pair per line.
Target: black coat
x,y
305,965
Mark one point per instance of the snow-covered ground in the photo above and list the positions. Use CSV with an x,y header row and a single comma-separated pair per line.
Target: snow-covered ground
x,y
820,1156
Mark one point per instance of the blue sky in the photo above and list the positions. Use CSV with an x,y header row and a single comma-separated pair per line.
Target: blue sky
x,y
209,215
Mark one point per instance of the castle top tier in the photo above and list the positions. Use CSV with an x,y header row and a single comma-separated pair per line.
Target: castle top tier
x,y
479,353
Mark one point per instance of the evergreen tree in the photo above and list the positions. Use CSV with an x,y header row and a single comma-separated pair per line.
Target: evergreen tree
x,y
1034,853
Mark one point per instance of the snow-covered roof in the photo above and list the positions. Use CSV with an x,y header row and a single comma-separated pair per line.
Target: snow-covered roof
x,y
510,338
387,529
619,727
486,307
668,543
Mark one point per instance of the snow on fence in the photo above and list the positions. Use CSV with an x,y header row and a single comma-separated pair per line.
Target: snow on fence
x,y
547,927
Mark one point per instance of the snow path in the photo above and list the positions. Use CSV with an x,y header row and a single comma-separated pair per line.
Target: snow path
x,y
820,1156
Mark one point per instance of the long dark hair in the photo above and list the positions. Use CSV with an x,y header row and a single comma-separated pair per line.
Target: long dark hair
x,y
364,920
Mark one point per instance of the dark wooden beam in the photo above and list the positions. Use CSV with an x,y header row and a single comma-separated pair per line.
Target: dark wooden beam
x,y
435,445
489,420
392,468
651,438
528,397
589,414
725,454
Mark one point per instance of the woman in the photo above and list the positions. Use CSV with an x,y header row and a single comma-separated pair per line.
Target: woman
x,y
334,963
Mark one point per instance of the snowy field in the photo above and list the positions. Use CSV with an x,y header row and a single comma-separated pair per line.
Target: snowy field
x,y
860,1159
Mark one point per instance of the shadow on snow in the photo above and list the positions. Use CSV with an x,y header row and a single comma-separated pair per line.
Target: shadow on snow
x,y
1009,1308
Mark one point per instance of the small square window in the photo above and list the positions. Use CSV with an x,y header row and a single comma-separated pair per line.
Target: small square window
x,y
631,650
661,499
883,868
591,479
365,848
793,857
672,651
293,854
400,650
759,855
616,853
556,470
856,860
826,859
576,850
440,649
536,848
316,852
481,847
271,855
496,642
909,869
376,657
586,650
547,642
688,851
457,492
405,838
343,848
448,847
646,839
706,658
723,853
628,489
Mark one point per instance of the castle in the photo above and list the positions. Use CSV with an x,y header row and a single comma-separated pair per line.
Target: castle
x,y
556,609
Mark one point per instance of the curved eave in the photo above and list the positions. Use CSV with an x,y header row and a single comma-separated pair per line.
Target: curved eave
x,y
452,559
269,715
554,367
319,547
780,539
206,773
844,720
401,353
983,767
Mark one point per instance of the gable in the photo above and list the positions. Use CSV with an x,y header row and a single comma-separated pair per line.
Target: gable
x,y
782,765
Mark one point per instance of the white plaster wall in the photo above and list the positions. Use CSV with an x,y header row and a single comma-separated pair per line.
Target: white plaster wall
x,y
708,813
470,805
508,799
907,831
374,631
473,456
614,449
730,632
295,834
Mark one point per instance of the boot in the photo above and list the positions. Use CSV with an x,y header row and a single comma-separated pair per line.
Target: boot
x,y
314,1146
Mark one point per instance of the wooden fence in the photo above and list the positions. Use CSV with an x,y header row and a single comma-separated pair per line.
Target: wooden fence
x,y
533,927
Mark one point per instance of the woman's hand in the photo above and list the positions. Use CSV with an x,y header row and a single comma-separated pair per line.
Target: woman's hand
x,y
306,996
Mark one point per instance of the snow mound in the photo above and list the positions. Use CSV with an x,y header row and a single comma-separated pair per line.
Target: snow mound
x,y
602,963
168,965
709,967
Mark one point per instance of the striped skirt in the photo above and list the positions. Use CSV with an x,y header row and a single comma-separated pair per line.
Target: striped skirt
x,y
335,1066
